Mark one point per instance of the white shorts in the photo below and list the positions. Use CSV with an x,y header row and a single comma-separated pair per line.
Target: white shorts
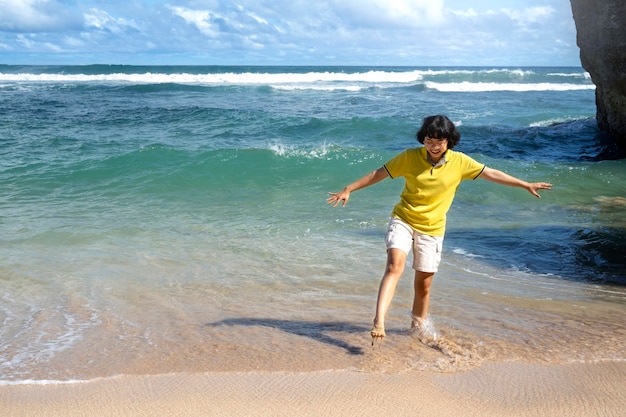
x,y
426,249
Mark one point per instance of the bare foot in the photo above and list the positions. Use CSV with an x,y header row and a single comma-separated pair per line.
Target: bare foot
x,y
377,333
423,329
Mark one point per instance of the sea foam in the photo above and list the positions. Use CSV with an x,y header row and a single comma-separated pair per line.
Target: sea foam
x,y
470,87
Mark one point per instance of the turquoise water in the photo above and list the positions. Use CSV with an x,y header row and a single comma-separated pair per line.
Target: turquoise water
x,y
159,219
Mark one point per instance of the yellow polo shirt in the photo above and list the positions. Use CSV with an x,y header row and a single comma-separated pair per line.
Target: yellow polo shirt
x,y
429,189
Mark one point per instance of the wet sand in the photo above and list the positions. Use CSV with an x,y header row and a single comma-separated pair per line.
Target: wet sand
x,y
493,389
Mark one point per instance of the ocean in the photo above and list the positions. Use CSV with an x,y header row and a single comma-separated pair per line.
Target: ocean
x,y
166,219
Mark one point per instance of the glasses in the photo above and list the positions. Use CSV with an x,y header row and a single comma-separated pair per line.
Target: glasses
x,y
430,142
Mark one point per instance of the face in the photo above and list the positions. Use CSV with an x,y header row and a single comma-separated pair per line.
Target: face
x,y
435,147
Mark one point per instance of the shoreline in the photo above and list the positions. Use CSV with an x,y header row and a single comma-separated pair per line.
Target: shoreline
x,y
492,389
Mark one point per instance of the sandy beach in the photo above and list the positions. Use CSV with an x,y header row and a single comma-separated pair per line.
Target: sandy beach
x,y
167,249
494,389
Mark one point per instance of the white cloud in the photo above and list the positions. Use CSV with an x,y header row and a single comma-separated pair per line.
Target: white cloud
x,y
101,20
25,41
201,19
465,14
429,10
400,13
31,43
73,42
232,27
36,16
384,32
528,16
258,19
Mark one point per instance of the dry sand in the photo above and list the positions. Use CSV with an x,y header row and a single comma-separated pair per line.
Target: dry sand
x,y
494,389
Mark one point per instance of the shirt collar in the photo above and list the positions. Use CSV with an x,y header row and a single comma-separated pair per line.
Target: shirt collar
x,y
441,162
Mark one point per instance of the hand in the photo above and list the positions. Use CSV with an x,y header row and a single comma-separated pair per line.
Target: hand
x,y
336,198
533,187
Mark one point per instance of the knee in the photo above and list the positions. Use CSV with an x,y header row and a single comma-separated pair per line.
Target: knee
x,y
395,267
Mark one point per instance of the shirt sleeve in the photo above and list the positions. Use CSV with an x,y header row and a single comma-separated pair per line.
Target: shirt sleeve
x,y
470,168
397,165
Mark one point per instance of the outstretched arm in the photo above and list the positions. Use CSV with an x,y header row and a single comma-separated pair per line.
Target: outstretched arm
x,y
369,179
500,177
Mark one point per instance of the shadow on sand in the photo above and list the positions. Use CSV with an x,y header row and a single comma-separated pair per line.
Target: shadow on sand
x,y
315,330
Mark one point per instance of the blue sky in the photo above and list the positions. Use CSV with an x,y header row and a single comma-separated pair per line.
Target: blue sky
x,y
289,32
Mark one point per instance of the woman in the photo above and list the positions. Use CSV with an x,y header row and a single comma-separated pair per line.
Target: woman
x,y
432,174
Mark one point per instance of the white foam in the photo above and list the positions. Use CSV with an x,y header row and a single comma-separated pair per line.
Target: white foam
x,y
229,78
468,87
280,149
55,382
39,340
550,122
317,80
460,251
584,75
40,382
288,87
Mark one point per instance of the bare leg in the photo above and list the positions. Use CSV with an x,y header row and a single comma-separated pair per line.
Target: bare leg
x,y
396,259
420,326
423,281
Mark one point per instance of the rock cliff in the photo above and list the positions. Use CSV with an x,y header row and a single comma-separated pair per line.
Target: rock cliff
x,y
601,37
